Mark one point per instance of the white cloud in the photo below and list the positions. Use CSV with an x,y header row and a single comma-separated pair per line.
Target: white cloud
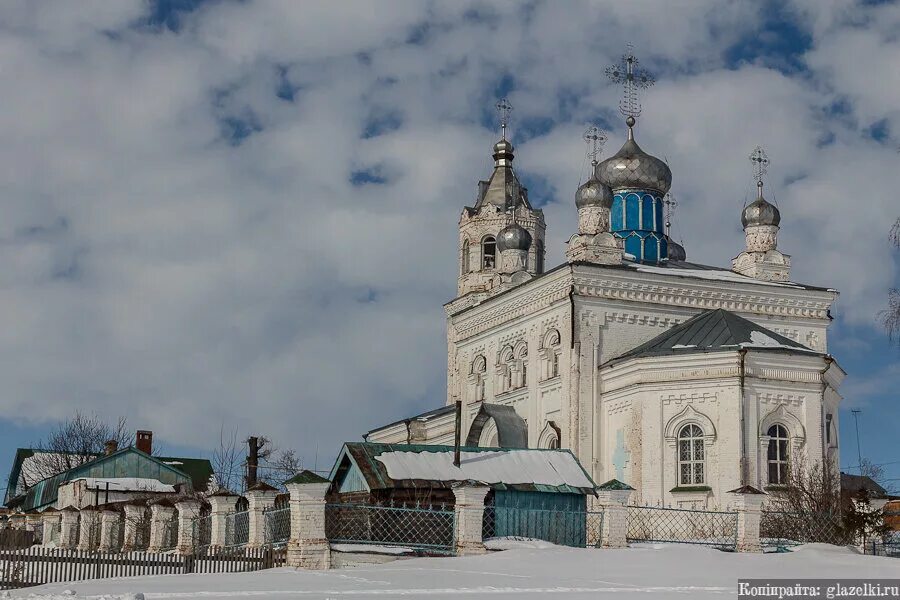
x,y
152,266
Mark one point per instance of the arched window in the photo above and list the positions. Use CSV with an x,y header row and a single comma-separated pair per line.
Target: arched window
x,y
691,455
488,252
507,372
465,257
551,353
522,356
479,368
539,257
778,455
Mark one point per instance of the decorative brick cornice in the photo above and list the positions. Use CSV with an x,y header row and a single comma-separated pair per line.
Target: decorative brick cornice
x,y
473,314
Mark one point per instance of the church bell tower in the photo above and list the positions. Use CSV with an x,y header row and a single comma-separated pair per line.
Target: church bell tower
x,y
501,237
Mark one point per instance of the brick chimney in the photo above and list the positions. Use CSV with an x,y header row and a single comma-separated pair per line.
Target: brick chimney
x,y
145,441
110,447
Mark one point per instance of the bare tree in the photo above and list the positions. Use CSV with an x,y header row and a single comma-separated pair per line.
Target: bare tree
x,y
890,317
227,462
73,443
808,508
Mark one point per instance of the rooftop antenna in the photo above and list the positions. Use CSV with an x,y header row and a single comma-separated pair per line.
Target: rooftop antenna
x,y
595,138
856,412
504,108
631,77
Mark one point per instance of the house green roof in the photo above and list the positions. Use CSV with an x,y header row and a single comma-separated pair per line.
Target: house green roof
x,y
128,462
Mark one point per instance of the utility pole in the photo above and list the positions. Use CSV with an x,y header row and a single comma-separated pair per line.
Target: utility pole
x,y
856,412
252,460
457,437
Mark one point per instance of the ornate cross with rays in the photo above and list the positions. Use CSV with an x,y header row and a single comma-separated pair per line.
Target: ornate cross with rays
x,y
760,161
504,108
595,139
631,77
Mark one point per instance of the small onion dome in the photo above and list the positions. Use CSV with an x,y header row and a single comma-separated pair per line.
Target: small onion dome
x,y
760,212
633,168
593,193
503,149
676,251
513,237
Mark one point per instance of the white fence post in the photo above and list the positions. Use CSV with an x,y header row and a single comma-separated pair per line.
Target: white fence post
x,y
68,528
260,498
222,504
88,529
748,503
134,519
469,508
308,546
613,497
188,510
160,518
50,522
109,530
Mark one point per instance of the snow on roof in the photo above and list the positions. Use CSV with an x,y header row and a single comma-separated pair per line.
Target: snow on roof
x,y
126,484
711,274
539,467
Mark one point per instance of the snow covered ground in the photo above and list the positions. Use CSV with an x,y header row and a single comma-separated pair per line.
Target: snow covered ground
x,y
662,571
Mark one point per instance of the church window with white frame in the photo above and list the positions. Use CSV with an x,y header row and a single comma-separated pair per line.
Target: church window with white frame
x,y
488,252
777,457
522,356
691,456
507,360
479,368
552,353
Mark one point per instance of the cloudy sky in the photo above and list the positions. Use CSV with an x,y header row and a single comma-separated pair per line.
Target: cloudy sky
x,y
243,213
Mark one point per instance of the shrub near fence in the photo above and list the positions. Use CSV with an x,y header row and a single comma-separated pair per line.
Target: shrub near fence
x,y
425,529
779,530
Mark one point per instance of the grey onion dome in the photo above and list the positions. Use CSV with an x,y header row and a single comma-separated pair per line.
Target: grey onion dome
x,y
760,212
513,237
503,148
631,167
676,251
593,192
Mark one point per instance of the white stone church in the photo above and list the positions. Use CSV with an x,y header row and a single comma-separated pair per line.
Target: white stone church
x,y
682,380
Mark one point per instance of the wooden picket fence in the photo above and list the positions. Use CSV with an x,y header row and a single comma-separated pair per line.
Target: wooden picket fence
x,y
26,567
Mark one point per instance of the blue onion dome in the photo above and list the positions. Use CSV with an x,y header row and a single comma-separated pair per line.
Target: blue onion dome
x,y
676,251
593,193
632,168
513,237
760,212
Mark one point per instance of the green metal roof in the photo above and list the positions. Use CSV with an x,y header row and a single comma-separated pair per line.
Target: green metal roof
x,y
362,456
128,462
711,331
198,469
307,476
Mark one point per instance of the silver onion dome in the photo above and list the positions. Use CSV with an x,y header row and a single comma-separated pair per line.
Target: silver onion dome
x,y
760,212
513,237
593,192
676,250
631,167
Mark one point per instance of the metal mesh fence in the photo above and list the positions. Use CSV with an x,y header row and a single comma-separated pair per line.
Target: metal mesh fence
x,y
202,531
278,526
417,528
780,530
562,527
237,528
703,527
